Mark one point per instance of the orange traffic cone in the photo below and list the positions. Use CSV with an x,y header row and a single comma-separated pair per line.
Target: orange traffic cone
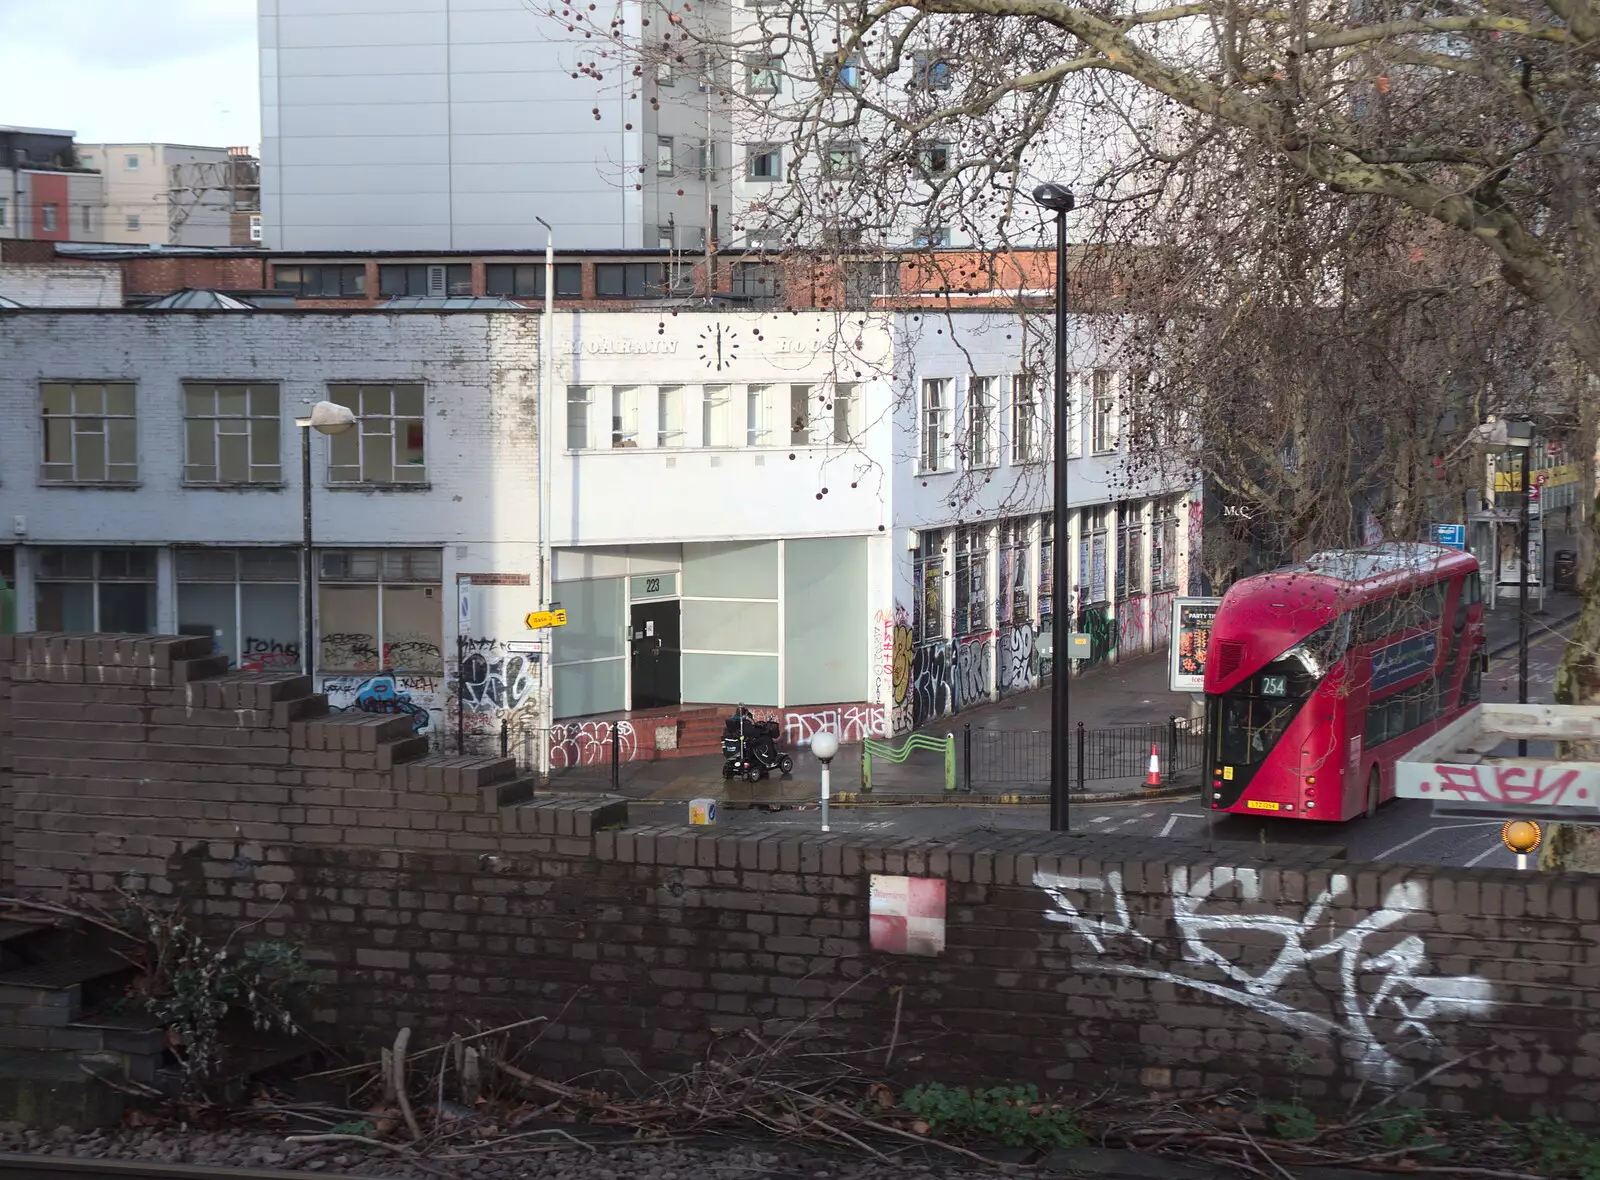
x,y
1153,779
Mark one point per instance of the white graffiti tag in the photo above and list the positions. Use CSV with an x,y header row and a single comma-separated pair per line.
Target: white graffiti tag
x,y
1402,992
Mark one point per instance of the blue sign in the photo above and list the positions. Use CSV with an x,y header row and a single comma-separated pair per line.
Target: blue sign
x,y
1453,535
1403,660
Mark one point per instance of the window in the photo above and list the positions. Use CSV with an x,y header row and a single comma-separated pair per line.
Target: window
x,y
756,415
1103,423
1025,441
842,159
454,279
380,610
666,237
934,454
1011,606
1047,568
132,221
1164,547
385,446
669,416
972,580
1092,554
850,71
49,217
321,282
762,75
96,590
665,74
255,227
578,399
89,433
87,218
1130,551
664,158
931,235
130,163
763,161
627,280
927,577
799,415
930,71
526,280
246,601
705,158
756,281
625,416
5,213
980,422
865,281
714,410
846,413
935,158
231,434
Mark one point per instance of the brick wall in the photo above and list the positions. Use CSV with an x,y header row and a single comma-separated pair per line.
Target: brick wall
x,y
436,889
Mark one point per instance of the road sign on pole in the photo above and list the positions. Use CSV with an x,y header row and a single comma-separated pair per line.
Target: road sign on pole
x,y
1453,535
540,619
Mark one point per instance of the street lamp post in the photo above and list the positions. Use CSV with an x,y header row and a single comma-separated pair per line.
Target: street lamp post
x,y
1059,200
547,356
326,418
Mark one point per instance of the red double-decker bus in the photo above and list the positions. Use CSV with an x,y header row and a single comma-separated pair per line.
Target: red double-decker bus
x,y
1319,676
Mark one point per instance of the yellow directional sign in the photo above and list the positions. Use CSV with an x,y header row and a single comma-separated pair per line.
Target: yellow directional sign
x,y
541,619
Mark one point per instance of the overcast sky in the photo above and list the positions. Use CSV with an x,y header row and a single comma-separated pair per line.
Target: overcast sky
x,y
132,71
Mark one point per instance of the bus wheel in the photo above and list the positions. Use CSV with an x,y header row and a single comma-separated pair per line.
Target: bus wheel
x,y
1374,792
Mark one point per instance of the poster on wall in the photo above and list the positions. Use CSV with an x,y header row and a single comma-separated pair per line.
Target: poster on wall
x,y
907,914
1191,636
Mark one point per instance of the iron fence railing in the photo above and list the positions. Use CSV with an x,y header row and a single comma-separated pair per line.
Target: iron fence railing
x,y
1021,758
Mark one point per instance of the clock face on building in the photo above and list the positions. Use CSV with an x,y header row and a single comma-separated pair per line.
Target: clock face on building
x,y
719,347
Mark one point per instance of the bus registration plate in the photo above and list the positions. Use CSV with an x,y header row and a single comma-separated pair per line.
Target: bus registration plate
x,y
1261,805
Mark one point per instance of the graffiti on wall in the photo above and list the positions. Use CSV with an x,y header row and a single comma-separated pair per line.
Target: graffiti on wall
x,y
1131,627
416,697
261,654
588,743
900,700
850,723
1095,622
932,684
1161,620
1377,978
1017,658
974,658
349,649
494,687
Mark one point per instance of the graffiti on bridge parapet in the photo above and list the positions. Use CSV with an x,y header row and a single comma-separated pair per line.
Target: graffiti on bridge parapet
x,y
1382,977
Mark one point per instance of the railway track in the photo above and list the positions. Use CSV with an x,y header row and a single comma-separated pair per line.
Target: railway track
x,y
52,1167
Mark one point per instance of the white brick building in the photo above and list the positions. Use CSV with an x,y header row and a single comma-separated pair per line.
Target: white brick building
x,y
151,481
841,518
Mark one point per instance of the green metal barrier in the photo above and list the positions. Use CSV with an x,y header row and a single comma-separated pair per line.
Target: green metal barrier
x,y
946,745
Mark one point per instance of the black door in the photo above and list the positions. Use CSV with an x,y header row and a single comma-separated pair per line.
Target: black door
x,y
655,655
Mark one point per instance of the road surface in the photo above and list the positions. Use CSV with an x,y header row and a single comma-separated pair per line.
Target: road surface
x,y
1404,831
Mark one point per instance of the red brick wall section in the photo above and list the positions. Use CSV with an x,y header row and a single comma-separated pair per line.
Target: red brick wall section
x,y
437,889
155,275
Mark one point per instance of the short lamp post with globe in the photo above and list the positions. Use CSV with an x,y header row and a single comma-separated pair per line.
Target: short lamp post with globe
x,y
326,418
823,748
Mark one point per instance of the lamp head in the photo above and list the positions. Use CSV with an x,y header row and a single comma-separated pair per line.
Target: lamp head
x,y
1055,197
331,418
824,746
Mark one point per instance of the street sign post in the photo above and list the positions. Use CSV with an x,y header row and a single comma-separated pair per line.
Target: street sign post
x,y
1453,535
540,619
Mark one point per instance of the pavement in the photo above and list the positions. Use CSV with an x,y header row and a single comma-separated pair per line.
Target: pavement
x,y
1123,694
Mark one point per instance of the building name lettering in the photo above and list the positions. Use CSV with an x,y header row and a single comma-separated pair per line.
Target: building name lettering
x,y
658,347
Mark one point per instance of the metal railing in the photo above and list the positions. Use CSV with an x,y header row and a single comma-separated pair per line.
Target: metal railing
x,y
1013,758
886,752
